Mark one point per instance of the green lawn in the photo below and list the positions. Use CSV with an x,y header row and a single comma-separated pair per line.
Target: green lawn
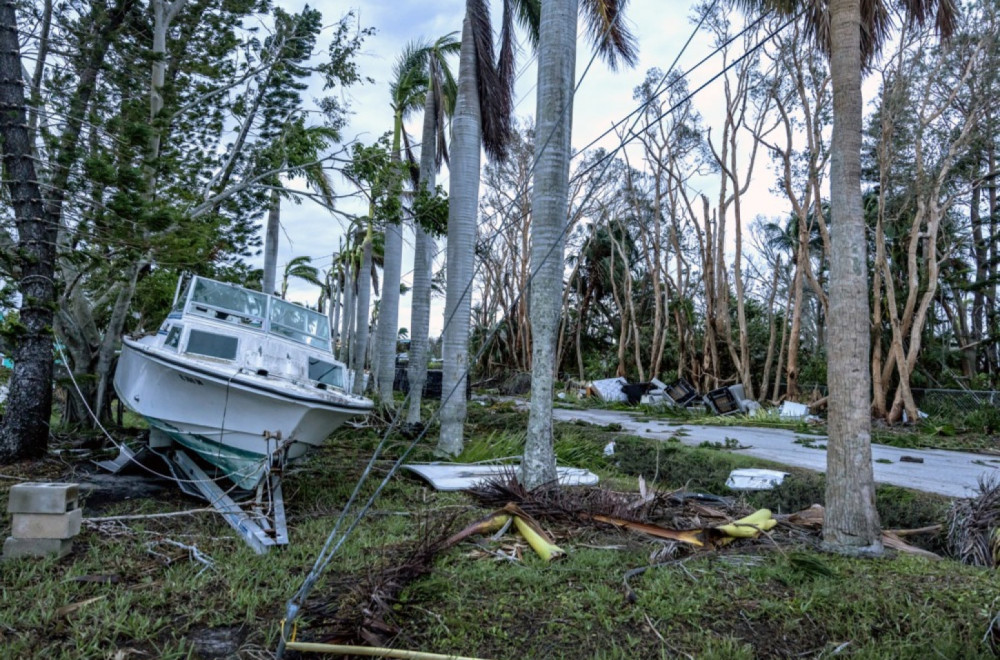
x,y
128,591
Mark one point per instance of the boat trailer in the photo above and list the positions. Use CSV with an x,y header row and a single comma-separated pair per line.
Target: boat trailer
x,y
261,523
262,526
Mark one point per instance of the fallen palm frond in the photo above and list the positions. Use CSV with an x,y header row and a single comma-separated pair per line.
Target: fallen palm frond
x,y
891,538
749,526
585,504
694,523
534,534
358,611
690,537
537,538
973,526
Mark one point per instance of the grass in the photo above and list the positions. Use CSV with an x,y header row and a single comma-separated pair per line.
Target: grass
x,y
125,590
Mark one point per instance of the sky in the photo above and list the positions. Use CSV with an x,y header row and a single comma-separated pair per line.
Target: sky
x,y
661,27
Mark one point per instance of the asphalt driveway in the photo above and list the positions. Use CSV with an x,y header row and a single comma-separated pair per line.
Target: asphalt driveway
x,y
951,473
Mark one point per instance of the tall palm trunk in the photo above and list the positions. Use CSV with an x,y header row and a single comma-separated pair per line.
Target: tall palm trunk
x,y
346,332
466,127
556,66
270,279
359,345
336,293
423,258
388,311
852,523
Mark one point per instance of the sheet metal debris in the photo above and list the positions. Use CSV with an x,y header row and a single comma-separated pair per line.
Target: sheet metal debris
x,y
755,479
462,476
793,409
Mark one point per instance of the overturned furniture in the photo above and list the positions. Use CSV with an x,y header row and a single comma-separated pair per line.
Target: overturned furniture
x,y
730,400
682,392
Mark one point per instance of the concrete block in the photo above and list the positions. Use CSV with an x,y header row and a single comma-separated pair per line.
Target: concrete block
x,y
14,548
43,498
47,525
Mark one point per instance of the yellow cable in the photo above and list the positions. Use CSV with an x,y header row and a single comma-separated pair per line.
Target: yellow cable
x,y
341,649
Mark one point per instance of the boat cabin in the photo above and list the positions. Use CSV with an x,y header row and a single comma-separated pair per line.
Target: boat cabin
x,y
253,330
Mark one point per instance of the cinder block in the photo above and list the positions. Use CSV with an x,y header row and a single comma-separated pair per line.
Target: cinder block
x,y
47,525
43,498
14,548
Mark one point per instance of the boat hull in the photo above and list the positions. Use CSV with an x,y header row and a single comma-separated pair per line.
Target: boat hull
x,y
233,419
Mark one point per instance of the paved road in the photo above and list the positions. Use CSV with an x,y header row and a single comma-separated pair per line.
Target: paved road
x,y
950,473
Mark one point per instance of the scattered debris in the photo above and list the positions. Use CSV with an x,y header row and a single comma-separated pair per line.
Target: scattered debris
x,y
682,392
755,479
608,389
731,400
690,536
911,459
657,396
791,409
920,413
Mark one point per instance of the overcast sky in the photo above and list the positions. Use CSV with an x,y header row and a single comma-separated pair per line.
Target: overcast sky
x,y
604,97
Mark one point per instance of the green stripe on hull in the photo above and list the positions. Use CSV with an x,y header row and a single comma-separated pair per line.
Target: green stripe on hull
x,y
243,468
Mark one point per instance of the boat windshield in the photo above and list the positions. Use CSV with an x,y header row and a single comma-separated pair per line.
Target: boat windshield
x,y
299,324
227,302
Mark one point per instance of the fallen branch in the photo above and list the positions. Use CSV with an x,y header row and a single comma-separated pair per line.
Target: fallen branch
x,y
193,553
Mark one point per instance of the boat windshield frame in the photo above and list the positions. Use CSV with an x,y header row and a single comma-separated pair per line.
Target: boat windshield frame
x,y
254,310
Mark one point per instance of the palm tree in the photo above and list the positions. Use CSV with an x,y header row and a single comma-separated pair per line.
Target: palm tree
x,y
483,112
408,93
439,101
550,193
301,268
851,33
405,91
296,151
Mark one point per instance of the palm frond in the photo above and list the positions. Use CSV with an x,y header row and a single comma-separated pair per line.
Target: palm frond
x,y
529,17
876,19
606,28
494,103
412,166
409,77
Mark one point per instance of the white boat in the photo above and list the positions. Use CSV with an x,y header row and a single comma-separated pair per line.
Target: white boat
x,y
241,379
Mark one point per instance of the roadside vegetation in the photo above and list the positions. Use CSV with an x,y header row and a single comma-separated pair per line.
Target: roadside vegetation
x,y
186,587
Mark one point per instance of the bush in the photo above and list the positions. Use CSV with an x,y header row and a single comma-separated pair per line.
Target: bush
x,y
985,420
